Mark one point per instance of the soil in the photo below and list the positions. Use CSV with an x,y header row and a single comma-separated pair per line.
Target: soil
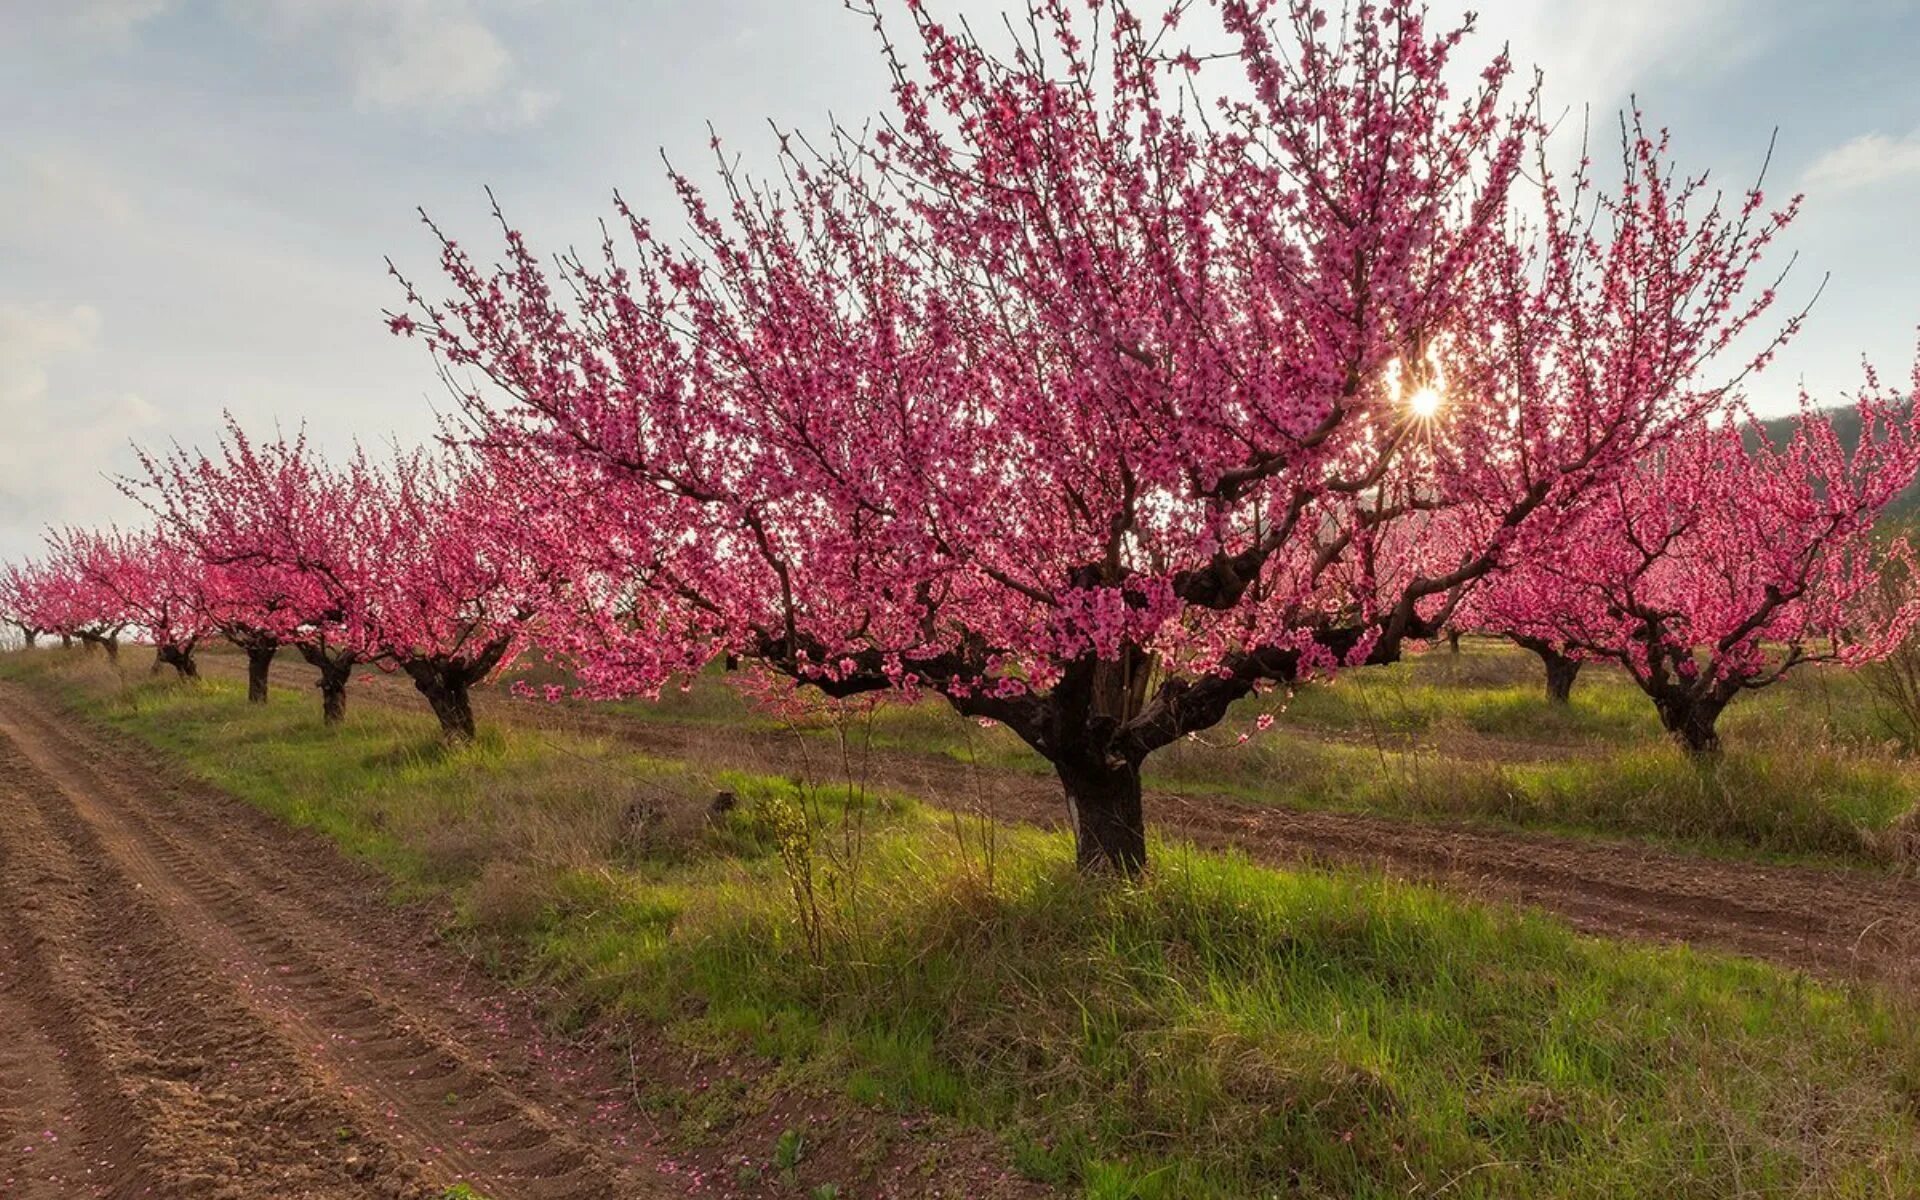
x,y
199,1002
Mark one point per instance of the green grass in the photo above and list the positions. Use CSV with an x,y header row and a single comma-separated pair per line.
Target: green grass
x,y
1396,700
1810,773
1220,1030
1770,801
1490,688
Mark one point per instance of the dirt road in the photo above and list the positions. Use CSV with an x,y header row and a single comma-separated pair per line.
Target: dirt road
x,y
195,1003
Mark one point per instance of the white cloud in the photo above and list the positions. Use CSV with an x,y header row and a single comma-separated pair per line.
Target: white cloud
x,y
1870,159
86,21
110,18
32,337
528,106
1597,54
430,56
437,57
62,190
427,60
59,439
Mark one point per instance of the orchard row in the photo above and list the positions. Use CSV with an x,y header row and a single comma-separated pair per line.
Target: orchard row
x,y
1123,369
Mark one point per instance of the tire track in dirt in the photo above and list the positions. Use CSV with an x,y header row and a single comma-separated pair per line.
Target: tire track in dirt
x,y
55,1140
392,1083
199,1101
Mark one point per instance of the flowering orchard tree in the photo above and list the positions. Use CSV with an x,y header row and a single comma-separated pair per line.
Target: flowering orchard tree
x,y
1508,605
151,581
419,564
1721,563
1088,404
73,599
1589,325
261,517
451,591
22,600
257,610
295,512
1561,669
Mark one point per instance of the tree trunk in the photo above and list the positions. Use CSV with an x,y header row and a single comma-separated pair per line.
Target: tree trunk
x,y
335,670
1561,672
1690,722
259,662
1453,641
1562,669
333,697
66,641
32,636
180,658
447,691
1109,829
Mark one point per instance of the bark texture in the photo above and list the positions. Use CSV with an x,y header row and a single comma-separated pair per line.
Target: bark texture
x,y
1562,668
336,668
179,656
259,664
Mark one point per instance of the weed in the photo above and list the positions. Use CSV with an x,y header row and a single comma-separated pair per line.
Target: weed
x,y
788,1149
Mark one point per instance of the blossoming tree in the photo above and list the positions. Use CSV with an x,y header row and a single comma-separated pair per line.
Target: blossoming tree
x,y
22,600
74,602
1723,562
147,580
1514,604
278,532
248,511
1088,404
451,592
417,563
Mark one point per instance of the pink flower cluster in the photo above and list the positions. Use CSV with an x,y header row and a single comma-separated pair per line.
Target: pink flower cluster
x,y
1080,388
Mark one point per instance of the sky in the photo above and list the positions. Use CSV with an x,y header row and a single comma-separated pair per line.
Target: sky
x,y
198,198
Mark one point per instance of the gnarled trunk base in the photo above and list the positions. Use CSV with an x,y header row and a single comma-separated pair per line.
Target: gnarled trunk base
x,y
335,668
446,689
1109,829
259,663
1561,672
1691,723
179,657
1562,669
333,701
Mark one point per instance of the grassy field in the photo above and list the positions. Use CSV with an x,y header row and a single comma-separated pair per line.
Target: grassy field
x,y
1220,1030
1811,771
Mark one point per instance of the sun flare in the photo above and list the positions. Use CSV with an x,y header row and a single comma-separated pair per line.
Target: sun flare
x,y
1425,402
